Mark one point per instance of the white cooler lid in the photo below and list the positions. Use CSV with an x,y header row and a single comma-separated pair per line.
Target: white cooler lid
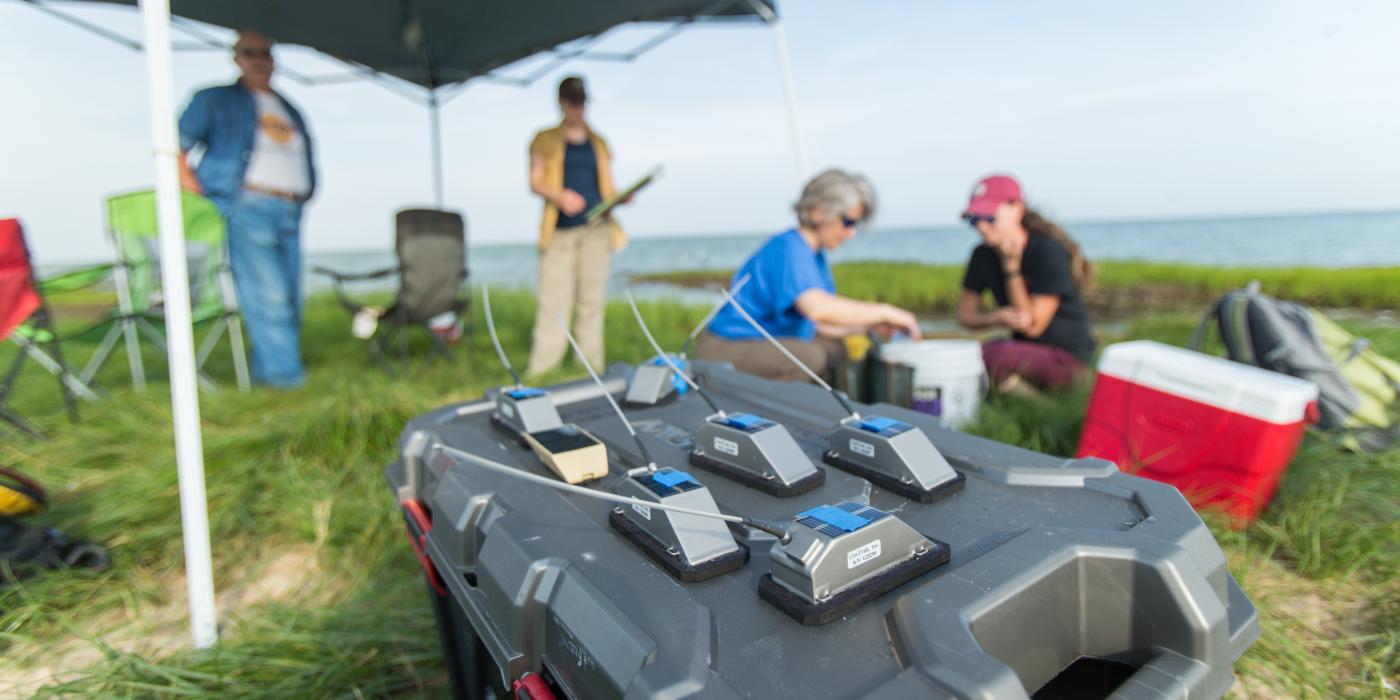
x,y
1233,386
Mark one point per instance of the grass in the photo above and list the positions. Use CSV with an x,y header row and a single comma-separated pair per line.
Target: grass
x,y
1123,285
324,599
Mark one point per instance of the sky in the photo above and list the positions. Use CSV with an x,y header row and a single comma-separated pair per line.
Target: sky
x,y
1105,110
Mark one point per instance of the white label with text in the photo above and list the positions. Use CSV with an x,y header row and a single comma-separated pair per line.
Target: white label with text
x,y
863,448
862,554
728,447
508,409
643,510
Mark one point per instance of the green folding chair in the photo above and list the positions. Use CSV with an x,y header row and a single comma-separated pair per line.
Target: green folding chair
x,y
131,224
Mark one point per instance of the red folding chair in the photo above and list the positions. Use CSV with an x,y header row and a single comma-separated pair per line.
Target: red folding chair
x,y
25,320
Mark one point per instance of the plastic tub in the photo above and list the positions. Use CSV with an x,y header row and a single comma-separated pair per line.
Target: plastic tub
x,y
949,377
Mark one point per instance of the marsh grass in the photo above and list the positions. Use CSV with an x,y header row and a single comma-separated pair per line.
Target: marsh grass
x,y
1123,286
297,478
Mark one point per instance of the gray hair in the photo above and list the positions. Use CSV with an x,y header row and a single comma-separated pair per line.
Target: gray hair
x,y
833,193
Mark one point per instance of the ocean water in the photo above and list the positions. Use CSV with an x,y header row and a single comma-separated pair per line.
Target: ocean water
x,y
1320,240
1317,240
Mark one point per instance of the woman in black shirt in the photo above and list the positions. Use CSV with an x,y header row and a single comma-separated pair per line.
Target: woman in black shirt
x,y
1036,273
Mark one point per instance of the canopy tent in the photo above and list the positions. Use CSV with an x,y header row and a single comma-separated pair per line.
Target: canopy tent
x,y
427,43
426,49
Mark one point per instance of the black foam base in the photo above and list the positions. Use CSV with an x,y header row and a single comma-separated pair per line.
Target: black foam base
x,y
499,424
672,563
892,484
819,613
769,486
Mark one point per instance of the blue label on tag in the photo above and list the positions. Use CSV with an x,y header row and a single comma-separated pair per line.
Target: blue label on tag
x,y
831,515
671,477
524,393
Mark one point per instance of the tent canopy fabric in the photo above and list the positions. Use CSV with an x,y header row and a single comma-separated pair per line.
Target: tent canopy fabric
x,y
433,43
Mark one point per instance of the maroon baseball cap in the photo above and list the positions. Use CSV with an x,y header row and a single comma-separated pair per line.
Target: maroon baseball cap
x,y
990,192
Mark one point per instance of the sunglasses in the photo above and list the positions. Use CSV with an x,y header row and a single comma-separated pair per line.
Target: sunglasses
x,y
255,53
848,222
974,219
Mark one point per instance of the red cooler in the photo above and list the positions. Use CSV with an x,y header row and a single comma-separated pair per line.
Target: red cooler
x,y
1221,431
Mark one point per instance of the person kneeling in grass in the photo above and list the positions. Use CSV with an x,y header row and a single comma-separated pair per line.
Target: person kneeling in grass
x,y
1037,275
791,293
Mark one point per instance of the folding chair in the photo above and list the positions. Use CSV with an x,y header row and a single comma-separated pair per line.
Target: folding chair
x,y
131,224
432,250
26,321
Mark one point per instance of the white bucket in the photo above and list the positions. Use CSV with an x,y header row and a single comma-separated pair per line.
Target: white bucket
x,y
949,377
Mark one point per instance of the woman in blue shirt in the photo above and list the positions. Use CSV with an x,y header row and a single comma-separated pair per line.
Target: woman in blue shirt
x,y
791,293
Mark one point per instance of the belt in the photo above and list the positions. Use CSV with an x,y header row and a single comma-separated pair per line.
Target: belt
x,y
280,194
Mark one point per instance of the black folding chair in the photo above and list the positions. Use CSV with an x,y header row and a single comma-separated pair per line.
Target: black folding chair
x,y
432,250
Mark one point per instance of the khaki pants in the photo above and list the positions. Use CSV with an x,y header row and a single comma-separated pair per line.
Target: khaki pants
x,y
573,281
759,357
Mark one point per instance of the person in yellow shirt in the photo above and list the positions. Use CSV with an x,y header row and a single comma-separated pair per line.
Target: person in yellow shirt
x,y
570,169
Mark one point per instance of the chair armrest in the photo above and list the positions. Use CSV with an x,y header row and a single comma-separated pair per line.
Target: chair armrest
x,y
74,280
355,276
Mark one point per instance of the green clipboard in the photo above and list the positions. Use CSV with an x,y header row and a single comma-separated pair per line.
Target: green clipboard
x,y
605,207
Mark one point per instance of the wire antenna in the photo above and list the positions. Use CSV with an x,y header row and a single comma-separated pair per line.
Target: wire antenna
x,y
667,358
695,332
773,529
646,455
491,326
788,354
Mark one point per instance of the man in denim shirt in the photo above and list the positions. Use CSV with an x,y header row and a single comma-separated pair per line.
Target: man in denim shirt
x,y
257,168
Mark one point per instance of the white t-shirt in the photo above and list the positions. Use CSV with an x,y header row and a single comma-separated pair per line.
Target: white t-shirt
x,y
279,150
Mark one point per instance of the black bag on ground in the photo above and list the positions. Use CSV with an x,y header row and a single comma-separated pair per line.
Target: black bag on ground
x,y
1358,388
26,549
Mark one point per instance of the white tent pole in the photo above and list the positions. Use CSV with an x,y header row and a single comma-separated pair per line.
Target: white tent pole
x,y
435,129
184,397
799,148
790,96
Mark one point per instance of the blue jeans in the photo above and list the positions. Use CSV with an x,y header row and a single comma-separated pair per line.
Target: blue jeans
x,y
264,247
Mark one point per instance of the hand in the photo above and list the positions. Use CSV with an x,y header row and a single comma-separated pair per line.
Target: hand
x,y
897,319
1010,249
190,183
1012,318
571,203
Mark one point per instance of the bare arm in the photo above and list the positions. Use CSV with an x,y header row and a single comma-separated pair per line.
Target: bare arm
x,y
1043,308
832,311
1016,288
970,313
568,201
1032,314
827,330
188,181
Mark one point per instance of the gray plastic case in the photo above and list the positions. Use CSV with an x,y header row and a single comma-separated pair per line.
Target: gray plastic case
x,y
1051,559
